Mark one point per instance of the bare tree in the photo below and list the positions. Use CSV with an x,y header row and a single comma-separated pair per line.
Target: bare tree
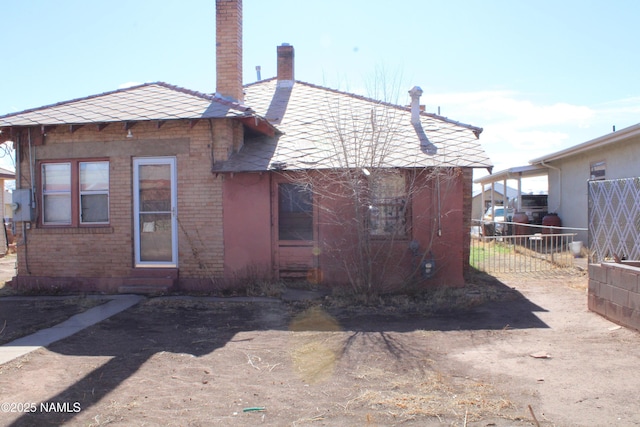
x,y
365,194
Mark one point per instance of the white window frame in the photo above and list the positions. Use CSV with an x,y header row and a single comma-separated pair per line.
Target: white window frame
x,y
54,193
74,194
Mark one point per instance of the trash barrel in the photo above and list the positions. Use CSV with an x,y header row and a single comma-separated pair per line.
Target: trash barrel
x,y
520,218
551,220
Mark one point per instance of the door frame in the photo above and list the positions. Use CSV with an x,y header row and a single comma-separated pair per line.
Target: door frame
x,y
172,162
277,244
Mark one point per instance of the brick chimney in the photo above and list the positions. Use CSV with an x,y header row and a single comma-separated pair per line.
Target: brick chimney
x,y
229,49
285,65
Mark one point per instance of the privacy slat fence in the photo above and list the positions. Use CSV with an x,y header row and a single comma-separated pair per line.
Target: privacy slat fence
x,y
614,219
534,249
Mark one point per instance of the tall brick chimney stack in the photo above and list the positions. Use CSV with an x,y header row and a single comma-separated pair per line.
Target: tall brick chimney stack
x,y
285,65
229,49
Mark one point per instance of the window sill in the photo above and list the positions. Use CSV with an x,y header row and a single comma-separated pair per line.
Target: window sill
x,y
73,230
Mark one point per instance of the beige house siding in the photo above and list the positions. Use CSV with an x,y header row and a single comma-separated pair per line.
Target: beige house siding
x,y
568,189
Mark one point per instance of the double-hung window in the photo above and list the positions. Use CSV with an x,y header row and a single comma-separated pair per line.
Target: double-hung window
x,y
75,193
94,192
56,193
388,209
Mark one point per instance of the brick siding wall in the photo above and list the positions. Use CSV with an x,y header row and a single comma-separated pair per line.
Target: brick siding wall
x,y
107,252
229,48
467,202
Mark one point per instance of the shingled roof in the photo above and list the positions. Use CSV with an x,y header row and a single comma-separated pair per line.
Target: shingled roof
x,y
319,128
150,101
324,128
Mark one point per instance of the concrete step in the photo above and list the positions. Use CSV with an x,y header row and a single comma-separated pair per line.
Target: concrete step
x,y
169,273
149,281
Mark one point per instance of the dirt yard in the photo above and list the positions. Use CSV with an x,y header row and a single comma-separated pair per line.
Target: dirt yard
x,y
535,351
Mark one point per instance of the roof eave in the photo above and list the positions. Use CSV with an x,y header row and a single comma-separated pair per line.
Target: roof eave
x,y
601,141
513,173
260,125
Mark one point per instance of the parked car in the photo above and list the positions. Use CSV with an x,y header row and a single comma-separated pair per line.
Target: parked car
x,y
534,205
493,220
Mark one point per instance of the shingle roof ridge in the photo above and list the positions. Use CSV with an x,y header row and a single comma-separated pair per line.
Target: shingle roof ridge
x,y
209,97
476,130
259,82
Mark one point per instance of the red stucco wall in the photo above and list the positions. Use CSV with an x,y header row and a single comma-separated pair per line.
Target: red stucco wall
x,y
247,226
436,221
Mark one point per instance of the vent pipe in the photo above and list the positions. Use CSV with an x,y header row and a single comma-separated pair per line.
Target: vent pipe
x,y
415,94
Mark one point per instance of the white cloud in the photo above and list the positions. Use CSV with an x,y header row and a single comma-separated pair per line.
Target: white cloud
x,y
518,129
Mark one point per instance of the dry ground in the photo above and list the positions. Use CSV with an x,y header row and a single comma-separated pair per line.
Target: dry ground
x,y
194,362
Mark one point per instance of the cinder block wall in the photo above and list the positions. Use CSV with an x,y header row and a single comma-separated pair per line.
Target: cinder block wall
x,y
614,292
97,258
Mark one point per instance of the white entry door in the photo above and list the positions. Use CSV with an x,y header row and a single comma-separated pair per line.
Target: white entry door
x,y
155,216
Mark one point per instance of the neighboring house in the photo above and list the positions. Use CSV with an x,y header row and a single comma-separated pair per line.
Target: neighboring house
x,y
159,185
612,156
500,198
4,176
8,212
4,238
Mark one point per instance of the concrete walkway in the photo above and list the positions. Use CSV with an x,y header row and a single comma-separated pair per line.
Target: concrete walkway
x,y
74,324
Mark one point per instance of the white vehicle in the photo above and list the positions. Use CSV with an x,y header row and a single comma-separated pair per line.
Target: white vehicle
x,y
493,220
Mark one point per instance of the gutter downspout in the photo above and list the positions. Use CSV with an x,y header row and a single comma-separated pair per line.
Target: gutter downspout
x,y
559,182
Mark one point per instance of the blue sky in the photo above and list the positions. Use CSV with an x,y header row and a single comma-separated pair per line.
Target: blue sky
x,y
537,76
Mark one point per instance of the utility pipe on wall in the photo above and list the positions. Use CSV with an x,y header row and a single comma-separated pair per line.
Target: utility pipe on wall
x,y
559,184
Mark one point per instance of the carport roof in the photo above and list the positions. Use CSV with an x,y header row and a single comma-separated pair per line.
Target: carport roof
x,y
517,172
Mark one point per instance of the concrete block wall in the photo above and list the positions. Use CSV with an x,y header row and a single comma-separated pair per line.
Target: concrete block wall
x,y
614,292
97,258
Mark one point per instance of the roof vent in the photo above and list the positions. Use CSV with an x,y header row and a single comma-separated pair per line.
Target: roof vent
x,y
415,94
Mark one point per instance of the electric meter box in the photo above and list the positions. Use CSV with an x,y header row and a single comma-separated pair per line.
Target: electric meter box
x,y
21,205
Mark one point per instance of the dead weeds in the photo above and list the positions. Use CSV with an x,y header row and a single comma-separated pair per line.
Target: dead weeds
x,y
19,318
